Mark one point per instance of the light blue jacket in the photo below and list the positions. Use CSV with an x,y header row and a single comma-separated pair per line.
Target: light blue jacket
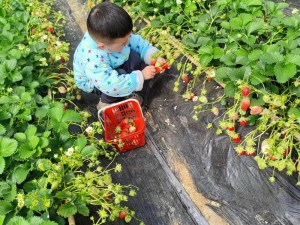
x,y
94,67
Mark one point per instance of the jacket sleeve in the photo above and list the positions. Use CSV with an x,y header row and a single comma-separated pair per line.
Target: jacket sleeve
x,y
139,44
108,81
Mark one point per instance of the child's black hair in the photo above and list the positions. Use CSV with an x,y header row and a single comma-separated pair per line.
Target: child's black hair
x,y
109,21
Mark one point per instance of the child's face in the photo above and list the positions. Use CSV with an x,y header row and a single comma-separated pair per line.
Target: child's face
x,y
115,45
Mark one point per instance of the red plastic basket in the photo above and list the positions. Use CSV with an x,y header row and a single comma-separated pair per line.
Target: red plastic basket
x,y
113,114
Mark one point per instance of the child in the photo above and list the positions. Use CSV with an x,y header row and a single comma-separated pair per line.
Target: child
x,y
110,58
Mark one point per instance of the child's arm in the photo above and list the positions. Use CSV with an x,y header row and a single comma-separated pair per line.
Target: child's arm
x,y
108,81
142,46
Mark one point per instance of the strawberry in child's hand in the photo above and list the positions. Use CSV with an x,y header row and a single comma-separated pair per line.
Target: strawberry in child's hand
x,y
245,104
245,91
157,69
165,66
153,62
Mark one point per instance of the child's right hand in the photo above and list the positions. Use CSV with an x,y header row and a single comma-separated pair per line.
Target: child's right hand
x,y
148,72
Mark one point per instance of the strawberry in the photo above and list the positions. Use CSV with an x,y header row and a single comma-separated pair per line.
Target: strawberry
x,y
132,129
245,103
272,157
157,69
165,66
243,122
286,151
245,91
237,139
153,62
230,128
209,79
255,110
215,111
62,59
122,215
118,129
185,78
50,29
243,153
65,106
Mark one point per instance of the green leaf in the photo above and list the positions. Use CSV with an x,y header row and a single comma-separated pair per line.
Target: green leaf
x,y
20,173
25,151
257,24
230,89
10,64
294,111
228,59
2,129
21,137
291,21
291,58
257,78
31,131
81,142
2,218
128,218
2,164
191,40
270,58
26,97
205,59
284,72
255,55
83,209
8,146
252,119
33,141
63,194
41,112
71,116
56,113
4,115
88,150
16,76
67,210
156,23
236,23
48,223
5,207
17,220
218,52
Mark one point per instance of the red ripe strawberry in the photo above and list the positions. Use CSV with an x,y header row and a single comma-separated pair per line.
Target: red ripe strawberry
x,y
245,91
122,215
209,79
230,128
272,157
153,62
243,153
50,29
65,106
243,123
157,69
62,59
245,104
237,139
165,66
185,78
255,110
286,151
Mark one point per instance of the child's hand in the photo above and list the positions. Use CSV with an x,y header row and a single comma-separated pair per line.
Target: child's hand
x,y
148,72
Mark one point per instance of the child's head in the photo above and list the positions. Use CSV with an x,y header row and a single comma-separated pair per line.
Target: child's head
x,y
110,26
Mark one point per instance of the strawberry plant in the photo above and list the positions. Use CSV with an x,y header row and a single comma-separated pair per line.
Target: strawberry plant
x,y
48,173
251,48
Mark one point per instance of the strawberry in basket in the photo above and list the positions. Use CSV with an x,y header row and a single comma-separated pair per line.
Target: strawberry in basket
x,y
125,127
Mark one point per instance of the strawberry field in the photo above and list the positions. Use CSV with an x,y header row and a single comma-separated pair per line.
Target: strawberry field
x,y
225,118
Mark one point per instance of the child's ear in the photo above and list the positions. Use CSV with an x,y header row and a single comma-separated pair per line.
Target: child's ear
x,y
101,45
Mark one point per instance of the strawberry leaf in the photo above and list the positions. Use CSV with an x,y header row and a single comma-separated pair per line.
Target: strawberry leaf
x,y
294,111
67,210
271,57
255,55
291,58
284,72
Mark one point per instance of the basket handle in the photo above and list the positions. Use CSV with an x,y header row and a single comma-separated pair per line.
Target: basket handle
x,y
100,117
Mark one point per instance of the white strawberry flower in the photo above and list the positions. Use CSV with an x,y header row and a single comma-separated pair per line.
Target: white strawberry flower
x,y
70,151
178,2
